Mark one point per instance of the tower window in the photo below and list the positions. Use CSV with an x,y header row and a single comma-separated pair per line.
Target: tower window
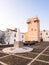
x,y
28,22
35,21
32,29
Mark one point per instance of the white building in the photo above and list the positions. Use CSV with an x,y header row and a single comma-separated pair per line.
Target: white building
x,y
12,36
2,37
44,35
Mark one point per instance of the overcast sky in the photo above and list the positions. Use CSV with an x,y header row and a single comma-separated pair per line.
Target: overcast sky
x,y
14,13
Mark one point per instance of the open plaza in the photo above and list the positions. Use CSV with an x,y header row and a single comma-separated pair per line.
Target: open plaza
x,y
38,56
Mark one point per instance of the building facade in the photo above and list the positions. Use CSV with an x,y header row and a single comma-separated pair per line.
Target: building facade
x,y
33,33
12,36
44,35
2,37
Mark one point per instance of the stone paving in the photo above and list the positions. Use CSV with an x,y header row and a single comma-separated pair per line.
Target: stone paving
x,y
39,56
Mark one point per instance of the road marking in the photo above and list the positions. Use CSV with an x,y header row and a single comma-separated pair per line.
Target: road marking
x,y
23,57
4,56
3,63
41,54
38,55
42,61
45,54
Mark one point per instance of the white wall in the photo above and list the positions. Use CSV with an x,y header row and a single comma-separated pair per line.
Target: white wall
x,y
45,36
12,37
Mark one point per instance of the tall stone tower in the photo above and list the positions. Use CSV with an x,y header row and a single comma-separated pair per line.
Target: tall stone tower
x,y
33,29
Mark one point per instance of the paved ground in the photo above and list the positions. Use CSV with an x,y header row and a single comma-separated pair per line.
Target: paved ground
x,y
39,56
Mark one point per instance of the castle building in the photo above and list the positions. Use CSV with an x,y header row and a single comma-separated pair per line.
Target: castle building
x,y
33,33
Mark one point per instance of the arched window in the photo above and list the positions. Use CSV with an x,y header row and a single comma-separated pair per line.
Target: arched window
x,y
46,33
14,35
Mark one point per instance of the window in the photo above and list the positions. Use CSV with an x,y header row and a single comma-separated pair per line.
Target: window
x,y
22,36
35,21
14,40
46,33
40,33
32,29
14,35
29,22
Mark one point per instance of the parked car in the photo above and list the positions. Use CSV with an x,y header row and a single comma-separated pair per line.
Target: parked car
x,y
32,42
25,43
29,42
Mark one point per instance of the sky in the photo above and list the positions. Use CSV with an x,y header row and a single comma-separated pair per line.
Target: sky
x,y
14,13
